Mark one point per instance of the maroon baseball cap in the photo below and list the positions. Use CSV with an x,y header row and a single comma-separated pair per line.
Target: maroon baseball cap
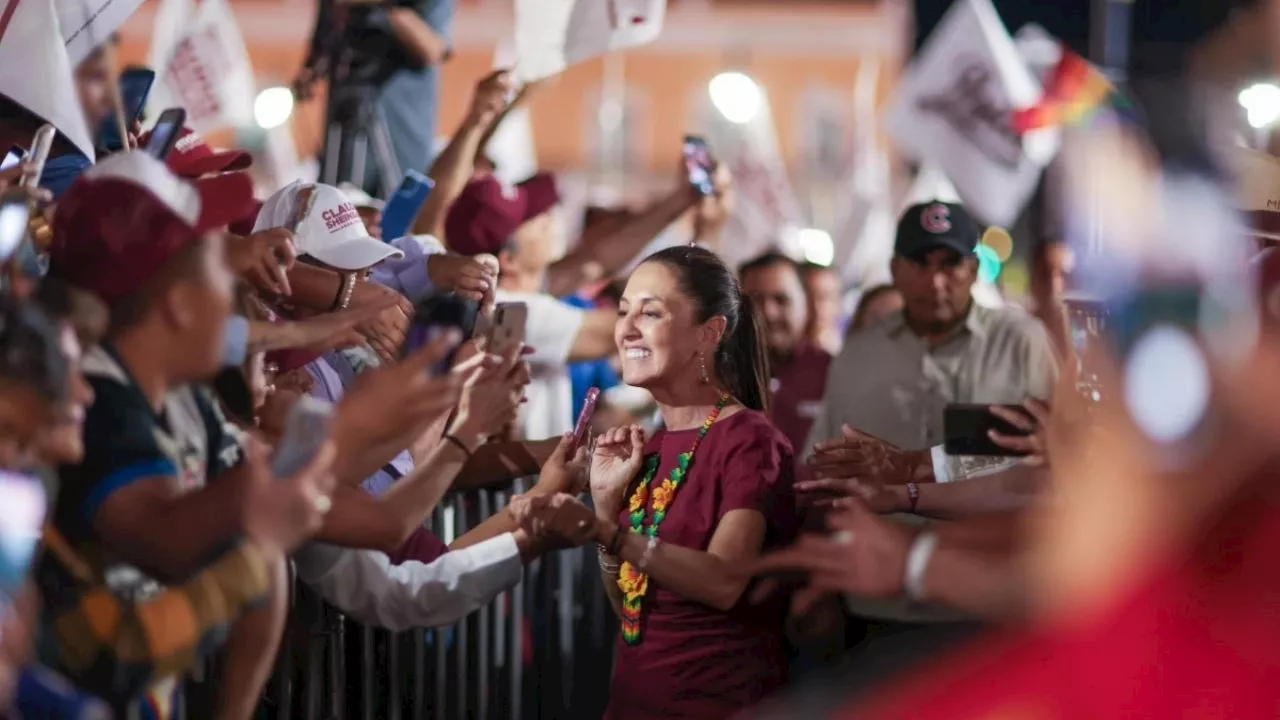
x,y
192,157
119,224
487,212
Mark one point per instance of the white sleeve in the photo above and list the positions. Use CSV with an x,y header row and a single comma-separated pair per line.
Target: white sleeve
x,y
953,468
551,327
366,586
941,470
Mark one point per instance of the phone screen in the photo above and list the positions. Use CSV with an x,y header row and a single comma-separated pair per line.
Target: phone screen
x,y
14,215
22,511
305,432
966,429
699,164
135,86
12,158
165,133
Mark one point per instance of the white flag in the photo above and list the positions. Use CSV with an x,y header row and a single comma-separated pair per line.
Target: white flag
x,y
954,107
37,72
208,73
86,24
551,35
173,18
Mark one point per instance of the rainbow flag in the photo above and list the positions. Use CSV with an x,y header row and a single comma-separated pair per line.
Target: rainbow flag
x,y
1074,90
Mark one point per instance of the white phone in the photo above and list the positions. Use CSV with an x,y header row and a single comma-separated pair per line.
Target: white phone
x,y
305,431
41,144
508,328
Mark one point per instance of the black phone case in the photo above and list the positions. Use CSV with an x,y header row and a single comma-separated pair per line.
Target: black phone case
x,y
965,428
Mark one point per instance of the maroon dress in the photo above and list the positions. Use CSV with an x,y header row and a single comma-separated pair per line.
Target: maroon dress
x,y
694,661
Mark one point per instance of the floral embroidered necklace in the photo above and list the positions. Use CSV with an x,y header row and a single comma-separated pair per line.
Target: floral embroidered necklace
x,y
633,583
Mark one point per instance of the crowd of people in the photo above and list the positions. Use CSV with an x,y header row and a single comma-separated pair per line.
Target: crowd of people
x,y
217,393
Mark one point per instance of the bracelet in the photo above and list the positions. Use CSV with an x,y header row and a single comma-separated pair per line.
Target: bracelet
x,y
608,563
913,494
643,565
345,289
448,437
918,557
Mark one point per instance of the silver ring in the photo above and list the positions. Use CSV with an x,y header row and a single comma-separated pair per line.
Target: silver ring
x,y
322,504
844,537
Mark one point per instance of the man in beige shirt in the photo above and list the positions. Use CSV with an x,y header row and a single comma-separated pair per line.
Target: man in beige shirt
x,y
894,378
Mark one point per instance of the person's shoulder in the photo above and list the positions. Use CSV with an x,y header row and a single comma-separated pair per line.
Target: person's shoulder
x,y
753,428
815,358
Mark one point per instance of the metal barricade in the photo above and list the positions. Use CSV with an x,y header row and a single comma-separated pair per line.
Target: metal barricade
x,y
482,667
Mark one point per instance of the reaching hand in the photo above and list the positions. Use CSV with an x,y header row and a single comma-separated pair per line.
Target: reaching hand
x,y
263,259
560,520
384,403
282,513
386,331
490,98
832,493
858,455
473,278
562,473
865,555
1034,422
336,330
491,394
618,456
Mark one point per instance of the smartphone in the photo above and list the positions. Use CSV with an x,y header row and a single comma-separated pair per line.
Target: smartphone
x,y
13,157
965,428
15,215
508,328
135,86
584,420
41,144
403,206
434,317
22,510
700,165
305,431
165,133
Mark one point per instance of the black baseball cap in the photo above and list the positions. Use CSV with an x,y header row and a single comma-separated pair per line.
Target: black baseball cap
x,y
933,225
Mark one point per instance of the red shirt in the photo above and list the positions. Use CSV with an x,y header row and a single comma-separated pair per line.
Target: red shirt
x,y
1200,638
797,393
694,662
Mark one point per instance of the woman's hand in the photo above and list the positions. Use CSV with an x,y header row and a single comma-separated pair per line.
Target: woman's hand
x,y
562,473
492,391
386,332
618,456
560,521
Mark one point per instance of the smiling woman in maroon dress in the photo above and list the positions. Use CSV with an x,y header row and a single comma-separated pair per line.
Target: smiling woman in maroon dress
x,y
678,514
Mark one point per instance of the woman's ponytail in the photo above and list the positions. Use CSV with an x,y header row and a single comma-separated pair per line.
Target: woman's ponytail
x,y
742,361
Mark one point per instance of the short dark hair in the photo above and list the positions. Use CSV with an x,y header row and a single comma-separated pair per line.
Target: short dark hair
x,y
84,311
30,354
768,260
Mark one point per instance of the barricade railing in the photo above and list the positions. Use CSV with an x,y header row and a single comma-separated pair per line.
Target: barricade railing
x,y
542,650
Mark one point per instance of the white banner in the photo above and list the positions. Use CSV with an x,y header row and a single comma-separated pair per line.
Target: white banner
x,y
551,35
207,70
37,69
86,24
173,19
953,108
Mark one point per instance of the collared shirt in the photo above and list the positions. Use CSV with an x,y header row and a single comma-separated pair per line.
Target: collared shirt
x,y
797,393
364,585
408,275
889,383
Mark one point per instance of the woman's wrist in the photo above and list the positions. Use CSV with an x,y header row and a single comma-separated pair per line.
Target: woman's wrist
x,y
606,534
464,431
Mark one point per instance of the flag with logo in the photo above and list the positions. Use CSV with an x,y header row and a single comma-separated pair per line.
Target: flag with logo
x,y
86,24
206,69
551,36
954,107
864,233
37,72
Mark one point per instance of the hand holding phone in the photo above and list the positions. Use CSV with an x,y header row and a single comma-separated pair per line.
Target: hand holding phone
x,y
135,86
165,134
700,165
41,144
434,317
967,429
306,430
583,427
402,207
507,329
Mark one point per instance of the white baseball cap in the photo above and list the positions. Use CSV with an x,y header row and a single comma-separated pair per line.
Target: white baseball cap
x,y
327,227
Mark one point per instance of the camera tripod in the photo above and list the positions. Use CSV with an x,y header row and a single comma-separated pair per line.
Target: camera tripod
x,y
355,134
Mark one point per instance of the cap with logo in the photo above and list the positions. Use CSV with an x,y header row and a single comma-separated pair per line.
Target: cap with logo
x,y
932,225
1258,190
192,157
488,212
326,226
126,217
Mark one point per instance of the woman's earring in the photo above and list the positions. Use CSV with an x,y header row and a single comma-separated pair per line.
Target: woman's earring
x,y
702,363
